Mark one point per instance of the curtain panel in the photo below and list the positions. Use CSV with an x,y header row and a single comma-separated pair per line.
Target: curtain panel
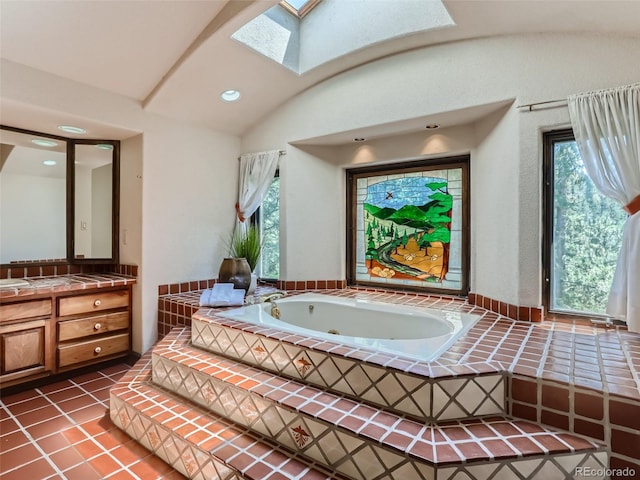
x,y
606,125
256,173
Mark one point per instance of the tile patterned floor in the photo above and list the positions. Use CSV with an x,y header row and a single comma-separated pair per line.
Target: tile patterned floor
x,y
63,431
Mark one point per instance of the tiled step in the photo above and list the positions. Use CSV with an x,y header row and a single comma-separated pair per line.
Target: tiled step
x,y
197,443
360,441
425,392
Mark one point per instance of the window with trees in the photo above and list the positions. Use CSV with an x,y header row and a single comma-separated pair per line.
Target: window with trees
x,y
583,231
268,219
407,225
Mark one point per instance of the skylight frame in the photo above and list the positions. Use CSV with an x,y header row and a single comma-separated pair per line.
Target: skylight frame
x,y
306,8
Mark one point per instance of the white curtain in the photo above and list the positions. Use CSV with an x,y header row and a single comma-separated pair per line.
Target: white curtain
x,y
256,173
607,130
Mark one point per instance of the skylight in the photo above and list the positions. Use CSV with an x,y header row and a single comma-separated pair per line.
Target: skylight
x,y
302,44
299,7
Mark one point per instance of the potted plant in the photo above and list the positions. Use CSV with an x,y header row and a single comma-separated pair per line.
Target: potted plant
x,y
247,244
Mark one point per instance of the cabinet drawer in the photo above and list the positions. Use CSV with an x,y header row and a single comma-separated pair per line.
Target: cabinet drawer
x,y
22,310
92,302
92,349
84,327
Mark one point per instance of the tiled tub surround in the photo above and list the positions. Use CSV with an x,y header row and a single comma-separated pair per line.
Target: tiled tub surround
x,y
179,301
353,438
514,312
427,394
591,367
262,426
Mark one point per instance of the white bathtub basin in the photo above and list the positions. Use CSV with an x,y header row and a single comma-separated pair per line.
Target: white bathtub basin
x,y
415,332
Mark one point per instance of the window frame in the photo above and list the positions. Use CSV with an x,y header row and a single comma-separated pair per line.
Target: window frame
x,y
306,8
352,174
550,138
255,221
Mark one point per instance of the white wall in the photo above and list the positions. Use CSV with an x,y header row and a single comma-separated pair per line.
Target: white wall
x,y
506,152
185,196
131,153
190,179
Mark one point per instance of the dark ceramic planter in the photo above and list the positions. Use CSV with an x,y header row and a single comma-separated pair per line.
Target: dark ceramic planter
x,y
236,271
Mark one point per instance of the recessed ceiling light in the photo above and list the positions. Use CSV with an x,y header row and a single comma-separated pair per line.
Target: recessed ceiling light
x,y
49,163
432,126
359,139
44,143
71,129
104,146
230,95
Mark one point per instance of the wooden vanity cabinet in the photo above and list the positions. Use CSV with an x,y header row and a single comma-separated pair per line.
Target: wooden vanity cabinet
x,y
48,334
25,340
93,327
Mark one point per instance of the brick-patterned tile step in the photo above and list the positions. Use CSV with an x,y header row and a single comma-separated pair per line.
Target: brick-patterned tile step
x,y
197,443
352,438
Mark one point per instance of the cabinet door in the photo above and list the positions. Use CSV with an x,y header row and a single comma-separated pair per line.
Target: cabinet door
x,y
23,348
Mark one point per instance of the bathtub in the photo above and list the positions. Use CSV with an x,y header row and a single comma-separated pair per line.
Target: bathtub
x,y
408,331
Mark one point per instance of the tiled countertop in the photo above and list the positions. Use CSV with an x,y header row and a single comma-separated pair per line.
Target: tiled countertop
x,y
65,283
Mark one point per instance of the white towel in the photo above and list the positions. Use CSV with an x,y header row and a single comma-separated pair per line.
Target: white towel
x,y
222,295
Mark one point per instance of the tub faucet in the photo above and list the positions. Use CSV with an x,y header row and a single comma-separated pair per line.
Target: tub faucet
x,y
275,310
270,297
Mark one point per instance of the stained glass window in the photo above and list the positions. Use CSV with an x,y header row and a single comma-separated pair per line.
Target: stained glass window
x,y
409,227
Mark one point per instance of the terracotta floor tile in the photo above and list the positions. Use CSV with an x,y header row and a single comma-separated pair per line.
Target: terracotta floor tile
x,y
105,465
48,427
18,456
65,394
54,387
83,471
53,443
12,440
87,413
30,395
76,403
34,402
38,415
66,458
8,425
150,468
74,435
34,470
88,449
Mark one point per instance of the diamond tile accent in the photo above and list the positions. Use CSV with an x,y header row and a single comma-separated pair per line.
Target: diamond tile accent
x,y
361,441
222,450
389,388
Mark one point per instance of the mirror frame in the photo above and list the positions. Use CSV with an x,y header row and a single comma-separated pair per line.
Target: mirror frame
x,y
70,197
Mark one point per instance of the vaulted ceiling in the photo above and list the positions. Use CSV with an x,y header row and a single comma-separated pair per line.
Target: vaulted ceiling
x,y
175,57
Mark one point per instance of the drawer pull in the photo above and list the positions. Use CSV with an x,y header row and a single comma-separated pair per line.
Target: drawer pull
x,y
97,326
97,303
97,349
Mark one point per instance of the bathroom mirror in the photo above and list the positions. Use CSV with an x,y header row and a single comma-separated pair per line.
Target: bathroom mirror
x,y
33,186
58,198
95,183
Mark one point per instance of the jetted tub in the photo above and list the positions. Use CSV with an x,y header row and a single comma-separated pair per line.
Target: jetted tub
x,y
416,332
